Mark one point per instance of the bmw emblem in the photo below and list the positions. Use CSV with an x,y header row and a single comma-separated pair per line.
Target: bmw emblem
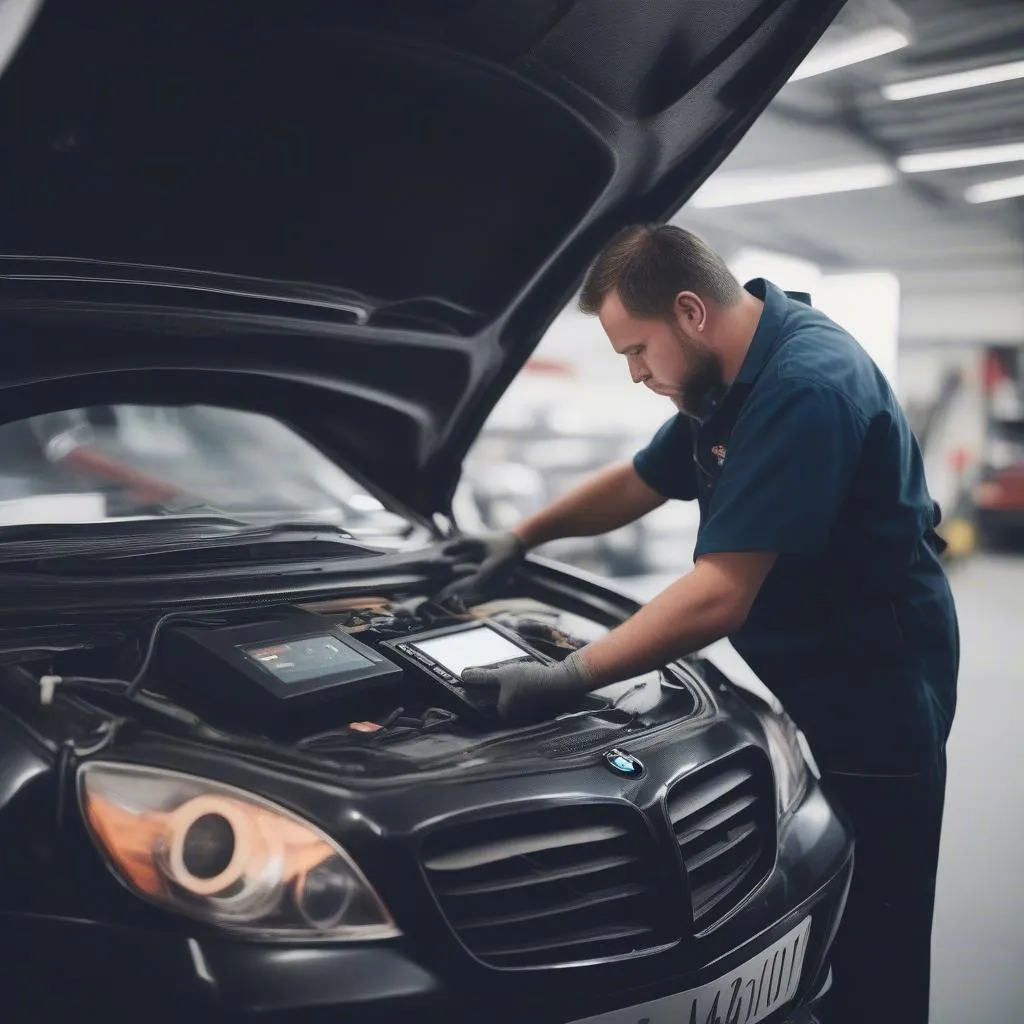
x,y
623,764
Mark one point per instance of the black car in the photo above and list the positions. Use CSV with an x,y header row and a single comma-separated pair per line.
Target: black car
x,y
238,774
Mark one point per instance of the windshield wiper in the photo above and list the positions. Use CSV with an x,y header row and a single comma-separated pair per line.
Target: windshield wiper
x,y
176,537
121,529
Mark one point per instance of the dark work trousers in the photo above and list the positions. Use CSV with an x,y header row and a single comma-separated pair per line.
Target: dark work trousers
x,y
881,957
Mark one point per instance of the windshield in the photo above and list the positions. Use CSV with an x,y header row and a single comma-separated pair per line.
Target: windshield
x,y
127,461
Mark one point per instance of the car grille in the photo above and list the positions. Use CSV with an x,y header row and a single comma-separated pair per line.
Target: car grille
x,y
724,821
552,886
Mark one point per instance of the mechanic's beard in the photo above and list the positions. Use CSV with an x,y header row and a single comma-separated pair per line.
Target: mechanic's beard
x,y
703,385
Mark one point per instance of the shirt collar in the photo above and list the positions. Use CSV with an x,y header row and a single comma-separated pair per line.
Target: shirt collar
x,y
769,327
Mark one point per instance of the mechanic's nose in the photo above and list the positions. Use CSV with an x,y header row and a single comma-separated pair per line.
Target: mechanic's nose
x,y
637,370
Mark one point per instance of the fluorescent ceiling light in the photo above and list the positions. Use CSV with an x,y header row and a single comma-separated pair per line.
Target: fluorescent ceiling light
x,y
952,83
740,189
875,42
990,191
951,159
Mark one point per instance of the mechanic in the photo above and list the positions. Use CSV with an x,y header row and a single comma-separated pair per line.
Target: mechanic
x,y
816,555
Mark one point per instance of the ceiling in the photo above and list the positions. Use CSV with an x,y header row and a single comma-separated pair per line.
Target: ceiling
x,y
961,264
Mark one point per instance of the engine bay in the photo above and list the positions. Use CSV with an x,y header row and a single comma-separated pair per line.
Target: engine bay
x,y
331,678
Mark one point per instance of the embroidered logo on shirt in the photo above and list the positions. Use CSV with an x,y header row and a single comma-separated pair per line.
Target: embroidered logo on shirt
x,y
719,452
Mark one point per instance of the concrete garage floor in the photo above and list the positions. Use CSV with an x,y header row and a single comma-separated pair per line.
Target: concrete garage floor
x,y
979,918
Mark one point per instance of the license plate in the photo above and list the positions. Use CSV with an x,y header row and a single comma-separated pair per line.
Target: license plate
x,y
743,996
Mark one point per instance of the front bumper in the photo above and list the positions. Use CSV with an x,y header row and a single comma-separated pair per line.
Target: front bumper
x,y
133,974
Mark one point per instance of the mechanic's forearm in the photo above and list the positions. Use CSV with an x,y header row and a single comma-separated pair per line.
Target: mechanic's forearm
x,y
606,501
692,613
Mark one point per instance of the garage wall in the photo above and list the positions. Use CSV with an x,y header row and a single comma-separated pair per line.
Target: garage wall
x,y
961,314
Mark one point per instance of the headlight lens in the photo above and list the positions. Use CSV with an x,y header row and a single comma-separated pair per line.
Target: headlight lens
x,y
790,755
227,857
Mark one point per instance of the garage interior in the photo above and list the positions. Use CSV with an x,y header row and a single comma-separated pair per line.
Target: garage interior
x,y
887,178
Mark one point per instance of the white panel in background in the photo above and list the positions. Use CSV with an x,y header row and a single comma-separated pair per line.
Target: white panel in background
x,y
868,306
790,273
865,304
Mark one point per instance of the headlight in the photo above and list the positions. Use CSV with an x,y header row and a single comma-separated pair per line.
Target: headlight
x,y
790,755
227,857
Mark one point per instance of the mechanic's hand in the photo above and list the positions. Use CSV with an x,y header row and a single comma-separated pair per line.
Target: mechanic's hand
x,y
483,564
531,691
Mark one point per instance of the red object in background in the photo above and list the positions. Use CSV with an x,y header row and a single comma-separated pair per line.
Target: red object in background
x,y
551,367
143,488
959,460
1003,493
994,370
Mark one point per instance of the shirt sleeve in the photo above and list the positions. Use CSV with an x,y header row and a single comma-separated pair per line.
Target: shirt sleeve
x,y
666,464
790,461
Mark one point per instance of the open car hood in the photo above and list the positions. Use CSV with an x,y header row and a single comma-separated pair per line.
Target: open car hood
x,y
378,208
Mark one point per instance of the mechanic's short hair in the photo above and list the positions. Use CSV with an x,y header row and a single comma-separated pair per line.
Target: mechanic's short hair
x,y
648,265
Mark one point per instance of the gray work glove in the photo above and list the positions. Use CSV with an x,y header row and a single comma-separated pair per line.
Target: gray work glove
x,y
484,565
529,691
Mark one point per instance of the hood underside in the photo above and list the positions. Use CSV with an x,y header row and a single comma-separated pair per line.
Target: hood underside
x,y
378,208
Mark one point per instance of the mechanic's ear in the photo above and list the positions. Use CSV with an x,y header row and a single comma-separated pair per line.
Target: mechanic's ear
x,y
690,313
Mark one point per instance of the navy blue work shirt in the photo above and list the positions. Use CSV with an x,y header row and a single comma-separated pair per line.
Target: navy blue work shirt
x,y
808,454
